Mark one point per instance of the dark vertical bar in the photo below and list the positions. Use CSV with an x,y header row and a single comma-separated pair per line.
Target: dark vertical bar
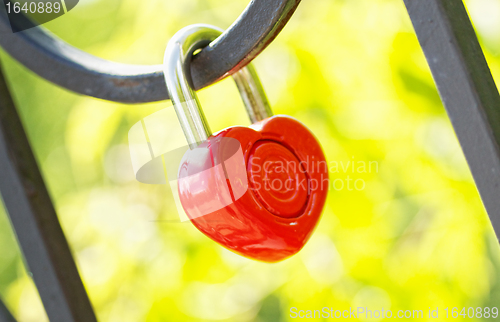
x,y
35,222
466,88
5,315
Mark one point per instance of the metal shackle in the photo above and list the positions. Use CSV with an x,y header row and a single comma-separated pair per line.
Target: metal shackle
x,y
176,65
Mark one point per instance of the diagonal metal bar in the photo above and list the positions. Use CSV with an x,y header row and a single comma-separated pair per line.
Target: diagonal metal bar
x,y
35,222
5,315
466,88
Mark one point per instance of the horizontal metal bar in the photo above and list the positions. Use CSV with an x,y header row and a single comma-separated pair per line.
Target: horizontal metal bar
x,y
467,90
35,222
76,70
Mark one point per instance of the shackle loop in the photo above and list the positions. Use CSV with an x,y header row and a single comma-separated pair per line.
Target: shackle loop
x,y
176,68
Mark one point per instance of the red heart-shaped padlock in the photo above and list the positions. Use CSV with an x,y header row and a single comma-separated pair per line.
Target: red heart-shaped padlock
x,y
257,191
265,204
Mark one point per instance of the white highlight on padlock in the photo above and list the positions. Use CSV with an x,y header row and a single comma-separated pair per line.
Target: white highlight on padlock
x,y
157,145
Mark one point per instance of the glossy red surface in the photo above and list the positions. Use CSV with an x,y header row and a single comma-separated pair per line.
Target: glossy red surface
x,y
227,199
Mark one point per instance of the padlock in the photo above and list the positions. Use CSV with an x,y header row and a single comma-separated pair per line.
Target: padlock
x,y
258,191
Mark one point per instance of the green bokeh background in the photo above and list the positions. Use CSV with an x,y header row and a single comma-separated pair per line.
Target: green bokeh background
x,y
415,237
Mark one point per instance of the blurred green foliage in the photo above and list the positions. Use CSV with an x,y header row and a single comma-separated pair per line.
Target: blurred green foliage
x,y
415,237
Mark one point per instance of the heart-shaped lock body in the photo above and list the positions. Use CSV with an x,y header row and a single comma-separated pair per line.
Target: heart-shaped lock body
x,y
287,182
